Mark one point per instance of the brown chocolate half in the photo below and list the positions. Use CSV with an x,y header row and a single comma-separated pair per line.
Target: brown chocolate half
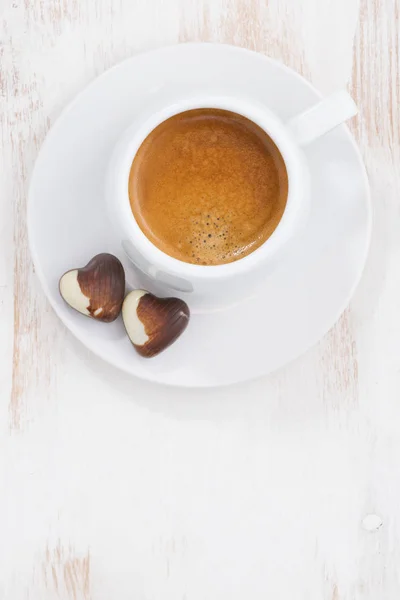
x,y
164,320
102,280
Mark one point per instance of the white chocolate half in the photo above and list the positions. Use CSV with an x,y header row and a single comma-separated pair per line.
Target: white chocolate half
x,y
133,325
71,292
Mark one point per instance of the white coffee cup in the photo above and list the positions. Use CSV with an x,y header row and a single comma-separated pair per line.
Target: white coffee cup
x,y
220,282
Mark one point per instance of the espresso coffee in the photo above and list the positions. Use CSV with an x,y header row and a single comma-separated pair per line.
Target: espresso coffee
x,y
208,186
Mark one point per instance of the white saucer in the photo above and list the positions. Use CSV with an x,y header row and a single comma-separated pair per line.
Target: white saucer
x,y
299,302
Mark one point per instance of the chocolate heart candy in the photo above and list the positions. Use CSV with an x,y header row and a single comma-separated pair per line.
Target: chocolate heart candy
x,y
96,290
152,323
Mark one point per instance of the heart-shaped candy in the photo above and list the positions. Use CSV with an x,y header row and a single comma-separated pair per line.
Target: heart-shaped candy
x,y
152,323
96,290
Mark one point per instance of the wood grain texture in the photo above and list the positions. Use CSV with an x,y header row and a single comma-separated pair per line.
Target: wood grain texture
x,y
63,574
111,488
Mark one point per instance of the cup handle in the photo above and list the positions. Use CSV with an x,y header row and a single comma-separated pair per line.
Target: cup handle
x,y
321,118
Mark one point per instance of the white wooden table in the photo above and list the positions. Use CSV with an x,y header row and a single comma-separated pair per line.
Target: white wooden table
x,y
111,488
